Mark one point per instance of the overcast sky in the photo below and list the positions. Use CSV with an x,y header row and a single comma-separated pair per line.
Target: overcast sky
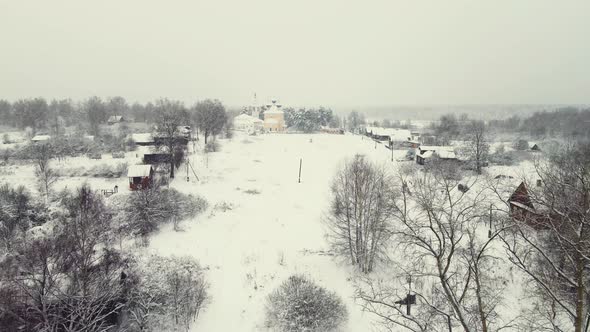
x,y
303,52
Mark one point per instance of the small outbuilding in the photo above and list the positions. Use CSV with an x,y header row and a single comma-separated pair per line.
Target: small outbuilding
x,y
115,119
140,176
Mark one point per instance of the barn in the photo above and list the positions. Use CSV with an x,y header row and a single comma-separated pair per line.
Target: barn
x,y
140,176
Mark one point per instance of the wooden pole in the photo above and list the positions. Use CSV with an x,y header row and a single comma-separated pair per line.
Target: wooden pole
x,y
490,231
391,147
300,162
408,305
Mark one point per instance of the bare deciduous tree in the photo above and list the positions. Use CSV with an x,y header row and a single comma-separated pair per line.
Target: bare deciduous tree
x,y
359,219
478,146
171,115
170,292
46,175
555,253
210,117
437,230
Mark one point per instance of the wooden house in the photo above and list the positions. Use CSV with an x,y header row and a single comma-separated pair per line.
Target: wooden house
x,y
425,153
140,176
523,210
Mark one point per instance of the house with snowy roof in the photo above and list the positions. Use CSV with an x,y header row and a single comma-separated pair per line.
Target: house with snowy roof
x,y
140,176
113,119
425,153
247,123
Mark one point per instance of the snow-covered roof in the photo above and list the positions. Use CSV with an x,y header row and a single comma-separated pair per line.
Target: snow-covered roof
x,y
245,118
135,171
400,135
142,138
115,118
38,138
426,154
444,154
523,206
436,148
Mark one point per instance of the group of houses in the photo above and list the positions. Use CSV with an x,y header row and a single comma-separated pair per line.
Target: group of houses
x,y
411,140
142,176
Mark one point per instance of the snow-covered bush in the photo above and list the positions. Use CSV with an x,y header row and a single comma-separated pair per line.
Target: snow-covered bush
x,y
301,305
98,171
146,210
521,145
166,293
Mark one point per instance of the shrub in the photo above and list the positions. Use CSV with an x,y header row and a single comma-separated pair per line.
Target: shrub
x,y
301,305
147,209
166,294
521,145
6,139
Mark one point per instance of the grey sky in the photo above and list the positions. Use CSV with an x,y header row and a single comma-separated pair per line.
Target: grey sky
x,y
304,52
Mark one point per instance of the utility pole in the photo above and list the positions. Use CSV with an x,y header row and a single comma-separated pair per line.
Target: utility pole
x,y
408,302
490,230
300,162
391,147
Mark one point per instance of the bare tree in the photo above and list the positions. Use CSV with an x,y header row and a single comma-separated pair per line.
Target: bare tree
x,y
67,278
171,115
46,175
478,146
169,292
437,234
360,212
552,244
210,117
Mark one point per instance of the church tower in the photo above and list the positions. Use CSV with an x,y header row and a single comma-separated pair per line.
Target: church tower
x,y
255,108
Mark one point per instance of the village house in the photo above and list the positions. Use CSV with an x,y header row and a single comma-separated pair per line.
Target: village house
x,y
274,118
425,153
113,119
523,210
247,123
140,177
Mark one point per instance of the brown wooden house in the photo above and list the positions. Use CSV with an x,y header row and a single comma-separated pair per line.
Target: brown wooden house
x,y
140,177
523,210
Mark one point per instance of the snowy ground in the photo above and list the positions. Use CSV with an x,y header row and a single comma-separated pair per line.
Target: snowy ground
x,y
265,237
261,225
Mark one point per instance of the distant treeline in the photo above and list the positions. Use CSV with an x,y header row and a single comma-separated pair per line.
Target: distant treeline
x,y
567,122
41,115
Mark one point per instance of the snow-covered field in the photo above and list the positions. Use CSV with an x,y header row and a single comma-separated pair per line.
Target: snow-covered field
x,y
264,237
262,225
